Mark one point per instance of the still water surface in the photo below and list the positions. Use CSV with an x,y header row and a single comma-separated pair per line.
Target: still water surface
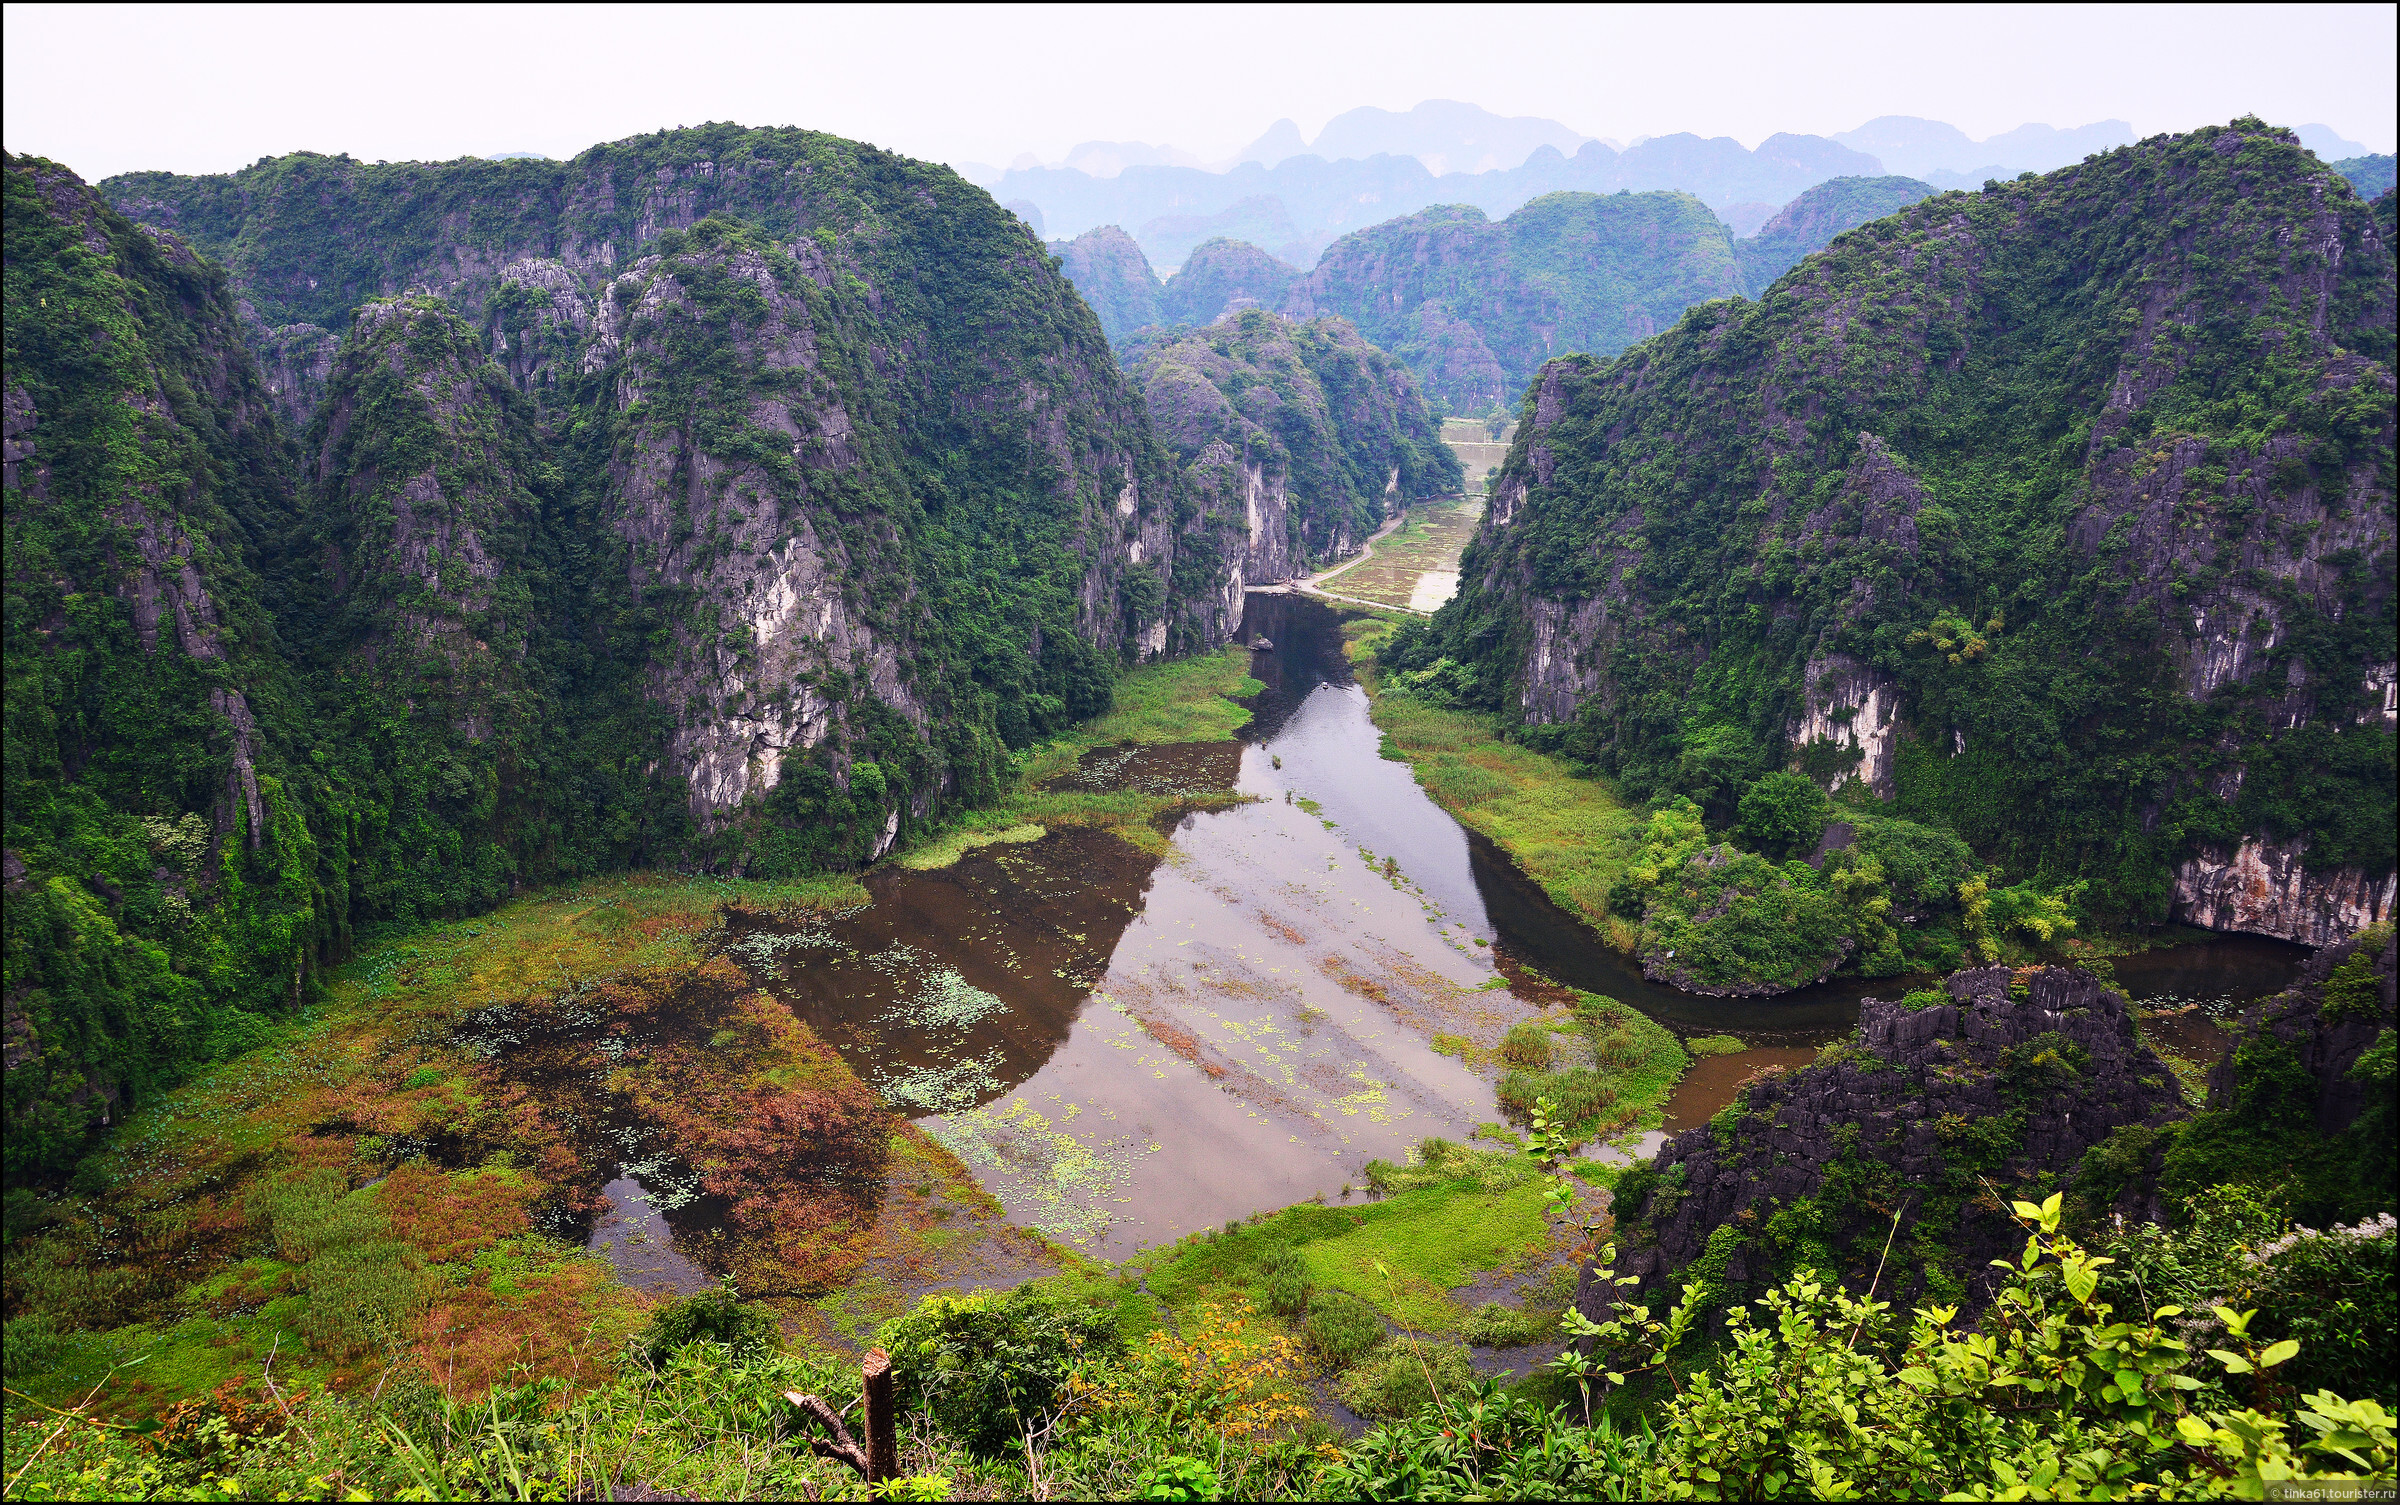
x,y
1124,1050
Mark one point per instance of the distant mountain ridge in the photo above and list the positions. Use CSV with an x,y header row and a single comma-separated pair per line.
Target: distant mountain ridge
x,y
1472,305
1304,203
1295,196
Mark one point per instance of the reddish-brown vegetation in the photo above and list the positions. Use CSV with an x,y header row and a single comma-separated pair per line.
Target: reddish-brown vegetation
x,y
447,1217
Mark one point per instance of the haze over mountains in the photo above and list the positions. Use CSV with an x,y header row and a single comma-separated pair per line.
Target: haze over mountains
x,y
1294,196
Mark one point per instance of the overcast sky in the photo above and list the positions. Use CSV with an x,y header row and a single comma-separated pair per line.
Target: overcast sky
x,y
107,89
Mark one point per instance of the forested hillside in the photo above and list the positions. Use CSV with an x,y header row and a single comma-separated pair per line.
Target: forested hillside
x,y
1113,276
1475,306
721,498
1221,275
1810,222
2059,516
1303,430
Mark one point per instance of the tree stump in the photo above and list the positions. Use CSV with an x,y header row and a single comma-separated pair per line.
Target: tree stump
x,y
883,1439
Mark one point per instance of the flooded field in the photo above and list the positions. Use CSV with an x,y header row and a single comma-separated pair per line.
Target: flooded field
x,y
1123,1049
1471,440
1415,567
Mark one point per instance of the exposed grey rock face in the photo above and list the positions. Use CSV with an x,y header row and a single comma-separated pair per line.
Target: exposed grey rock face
x,y
2266,888
424,517
297,362
778,608
1924,1107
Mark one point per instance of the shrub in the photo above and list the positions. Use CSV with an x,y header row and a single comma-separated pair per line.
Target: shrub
x,y
1527,1044
1515,1448
1180,1478
1342,1329
988,1366
1283,1284
1496,1326
364,1286
716,1316
1580,1092
1405,1374
1784,814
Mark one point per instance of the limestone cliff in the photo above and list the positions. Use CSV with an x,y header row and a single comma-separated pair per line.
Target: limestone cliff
x,y
856,440
2158,658
1113,276
1474,306
156,883
1811,222
1223,277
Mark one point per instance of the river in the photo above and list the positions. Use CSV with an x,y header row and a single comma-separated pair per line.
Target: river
x,y
1124,1049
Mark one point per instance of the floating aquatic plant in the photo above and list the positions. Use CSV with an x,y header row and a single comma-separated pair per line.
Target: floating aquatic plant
x,y
954,1088
944,1000
759,949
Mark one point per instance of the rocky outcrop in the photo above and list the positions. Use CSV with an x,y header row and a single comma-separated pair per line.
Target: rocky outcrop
x,y
2266,887
297,362
1114,277
2005,1086
425,519
1304,434
874,390
2329,1017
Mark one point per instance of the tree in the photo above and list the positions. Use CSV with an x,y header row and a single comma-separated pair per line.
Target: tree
x,y
1784,814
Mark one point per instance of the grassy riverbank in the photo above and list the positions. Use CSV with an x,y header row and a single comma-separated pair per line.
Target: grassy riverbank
x,y
350,1225
372,1182
1568,832
1192,700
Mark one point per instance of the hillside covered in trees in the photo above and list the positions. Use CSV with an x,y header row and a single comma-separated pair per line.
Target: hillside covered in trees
x,y
2059,516
650,508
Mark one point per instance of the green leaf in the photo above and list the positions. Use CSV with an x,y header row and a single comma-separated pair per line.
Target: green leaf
x,y
2279,1352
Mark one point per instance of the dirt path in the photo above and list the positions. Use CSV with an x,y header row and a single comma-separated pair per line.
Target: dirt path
x,y
1314,584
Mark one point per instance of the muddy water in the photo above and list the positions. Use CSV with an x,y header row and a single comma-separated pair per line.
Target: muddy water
x,y
1124,1049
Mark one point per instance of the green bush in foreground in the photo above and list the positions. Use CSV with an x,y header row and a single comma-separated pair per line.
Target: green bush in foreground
x,y
717,1316
1810,1392
988,1365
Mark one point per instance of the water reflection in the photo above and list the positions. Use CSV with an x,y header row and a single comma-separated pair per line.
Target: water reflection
x,y
1123,1049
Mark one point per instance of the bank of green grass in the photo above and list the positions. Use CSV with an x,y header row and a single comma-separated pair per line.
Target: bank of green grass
x,y
1568,832
1188,700
1401,1255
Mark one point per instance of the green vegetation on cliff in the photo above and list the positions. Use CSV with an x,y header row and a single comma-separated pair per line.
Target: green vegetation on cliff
x,y
2060,516
735,499
1114,277
1474,306
1336,428
1810,222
